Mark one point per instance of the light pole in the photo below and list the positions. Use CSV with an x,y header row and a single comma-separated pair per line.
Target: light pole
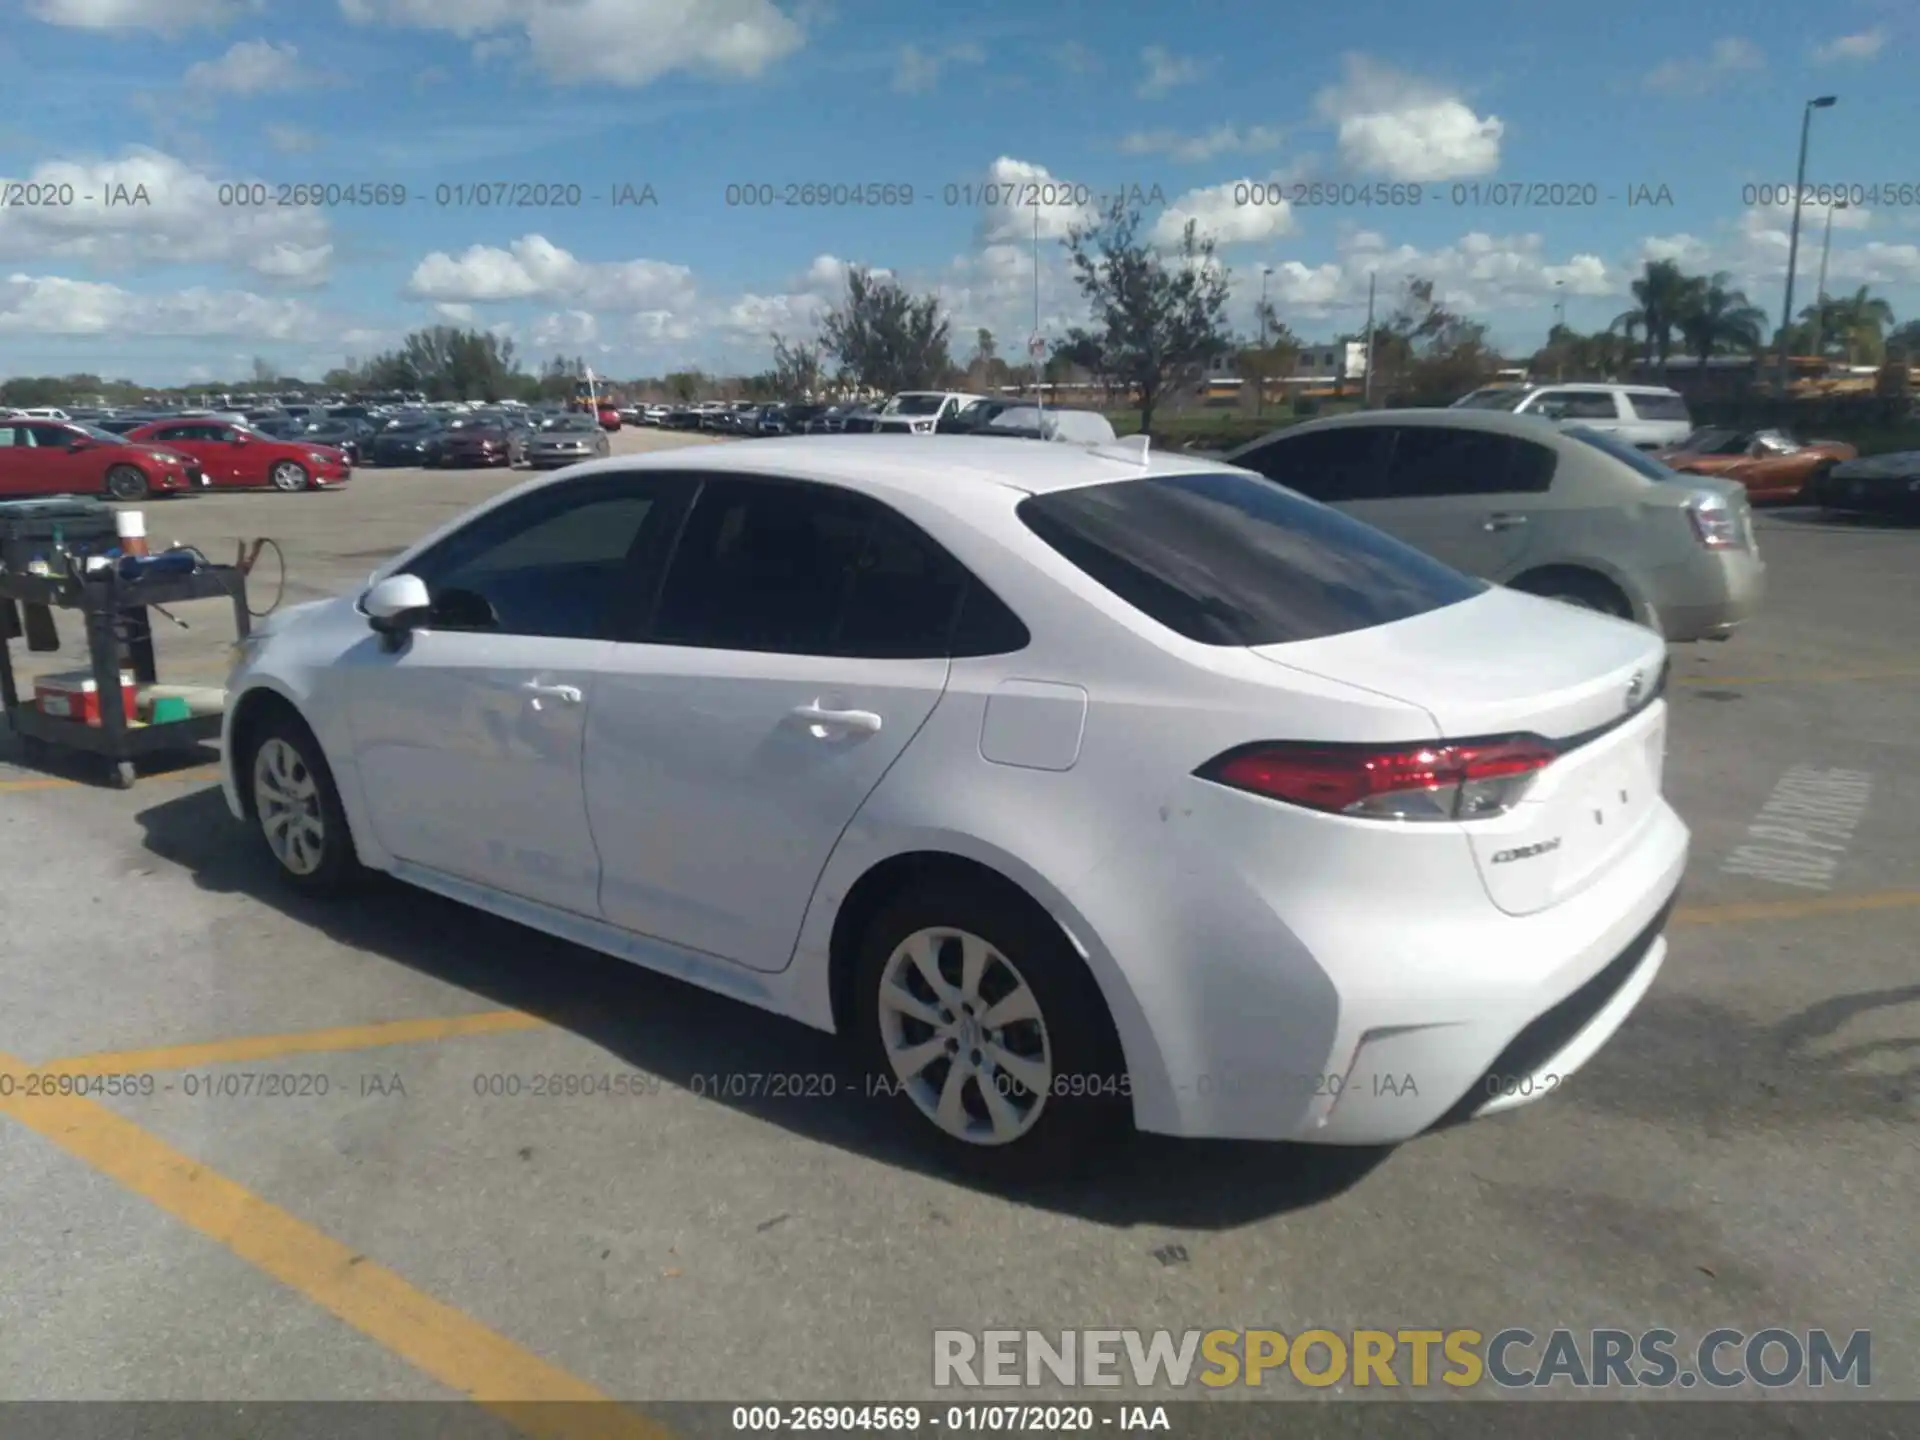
x,y
1260,371
1821,102
1559,330
1820,296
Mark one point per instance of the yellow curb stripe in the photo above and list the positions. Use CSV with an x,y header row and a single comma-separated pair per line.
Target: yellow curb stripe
x,y
1744,912
300,1042
1826,677
452,1347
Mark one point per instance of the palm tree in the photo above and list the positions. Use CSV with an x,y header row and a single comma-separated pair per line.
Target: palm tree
x,y
1860,321
1718,318
1663,292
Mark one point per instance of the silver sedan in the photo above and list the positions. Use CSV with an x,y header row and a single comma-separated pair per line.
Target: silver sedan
x,y
567,441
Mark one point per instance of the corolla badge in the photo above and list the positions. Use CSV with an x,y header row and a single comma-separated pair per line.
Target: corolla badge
x,y
1636,687
1527,852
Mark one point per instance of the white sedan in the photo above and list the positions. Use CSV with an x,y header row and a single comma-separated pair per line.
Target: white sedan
x,y
1073,786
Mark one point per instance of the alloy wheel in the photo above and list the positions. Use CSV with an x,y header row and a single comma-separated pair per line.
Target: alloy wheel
x,y
964,1035
286,797
289,476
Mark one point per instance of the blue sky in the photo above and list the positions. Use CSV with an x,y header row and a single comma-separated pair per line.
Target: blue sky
x,y
1198,105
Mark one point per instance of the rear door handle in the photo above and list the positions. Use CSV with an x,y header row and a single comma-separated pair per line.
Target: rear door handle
x,y
565,694
822,723
1505,522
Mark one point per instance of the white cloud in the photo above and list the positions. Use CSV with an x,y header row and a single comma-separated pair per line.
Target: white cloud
x,y
166,16
1221,140
1013,189
1228,213
457,314
1729,56
612,42
1166,71
918,71
181,223
1406,128
1863,46
55,305
566,329
249,68
534,268
1479,274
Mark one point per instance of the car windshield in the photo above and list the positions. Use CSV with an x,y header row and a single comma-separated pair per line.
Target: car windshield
x,y
914,405
570,424
1708,439
1494,397
1638,460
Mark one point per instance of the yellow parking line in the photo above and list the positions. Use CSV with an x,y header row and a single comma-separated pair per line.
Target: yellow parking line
x,y
57,782
299,1042
1744,912
452,1347
1825,677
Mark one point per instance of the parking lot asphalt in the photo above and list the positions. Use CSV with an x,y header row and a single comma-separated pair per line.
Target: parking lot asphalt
x,y
1743,1154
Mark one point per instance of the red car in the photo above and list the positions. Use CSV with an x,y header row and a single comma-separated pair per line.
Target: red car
x,y
239,457
60,457
609,418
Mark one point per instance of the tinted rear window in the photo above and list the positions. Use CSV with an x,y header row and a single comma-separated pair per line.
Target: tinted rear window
x,y
1658,407
1230,559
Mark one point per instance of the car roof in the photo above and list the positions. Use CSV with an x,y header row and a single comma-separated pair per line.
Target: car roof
x,y
883,464
1502,422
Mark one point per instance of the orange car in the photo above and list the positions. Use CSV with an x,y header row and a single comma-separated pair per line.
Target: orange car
x,y
1770,463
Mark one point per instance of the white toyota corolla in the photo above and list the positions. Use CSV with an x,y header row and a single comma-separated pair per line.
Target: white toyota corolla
x,y
1073,784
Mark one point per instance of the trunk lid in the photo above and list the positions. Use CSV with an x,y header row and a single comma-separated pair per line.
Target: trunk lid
x,y
1506,663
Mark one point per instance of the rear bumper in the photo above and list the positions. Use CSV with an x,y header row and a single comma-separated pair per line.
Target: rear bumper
x,y
1706,598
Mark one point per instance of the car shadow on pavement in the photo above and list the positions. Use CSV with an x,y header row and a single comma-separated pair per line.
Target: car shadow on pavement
x,y
677,1032
1841,521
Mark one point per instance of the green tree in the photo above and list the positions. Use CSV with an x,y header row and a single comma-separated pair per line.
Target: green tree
x,y
1155,317
799,367
1662,295
685,385
1271,353
887,338
1716,318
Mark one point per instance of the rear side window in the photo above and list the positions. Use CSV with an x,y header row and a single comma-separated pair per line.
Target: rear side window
x,y
1228,559
1430,461
1649,405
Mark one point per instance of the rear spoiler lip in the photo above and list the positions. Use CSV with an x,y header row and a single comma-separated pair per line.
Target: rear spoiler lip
x,y
1561,746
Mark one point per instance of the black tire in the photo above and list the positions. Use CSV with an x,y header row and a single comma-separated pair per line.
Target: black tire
x,y
337,867
1577,587
125,482
1089,1107
1815,490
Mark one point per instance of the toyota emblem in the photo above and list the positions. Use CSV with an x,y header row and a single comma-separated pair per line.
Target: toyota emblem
x,y
1635,688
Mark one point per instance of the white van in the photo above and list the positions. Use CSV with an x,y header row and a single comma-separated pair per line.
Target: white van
x,y
44,412
1648,417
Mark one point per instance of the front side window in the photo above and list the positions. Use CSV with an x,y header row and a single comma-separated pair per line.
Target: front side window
x,y
798,568
563,562
1228,559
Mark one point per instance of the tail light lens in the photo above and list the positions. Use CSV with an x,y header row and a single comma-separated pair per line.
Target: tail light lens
x,y
1715,523
1466,781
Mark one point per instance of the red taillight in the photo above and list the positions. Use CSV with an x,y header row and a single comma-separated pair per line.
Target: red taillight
x,y
1460,781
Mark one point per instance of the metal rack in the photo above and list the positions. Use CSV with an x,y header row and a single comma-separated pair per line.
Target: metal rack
x,y
119,638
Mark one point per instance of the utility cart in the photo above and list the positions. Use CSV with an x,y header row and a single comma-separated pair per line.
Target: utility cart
x,y
114,610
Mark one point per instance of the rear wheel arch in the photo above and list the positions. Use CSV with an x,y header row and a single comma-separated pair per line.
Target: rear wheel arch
x,y
899,875
1598,589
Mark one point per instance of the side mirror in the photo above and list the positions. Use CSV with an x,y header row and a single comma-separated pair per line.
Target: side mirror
x,y
79,443
238,438
396,604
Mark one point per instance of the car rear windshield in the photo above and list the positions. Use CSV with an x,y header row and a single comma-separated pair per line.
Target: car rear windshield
x,y
1638,460
1229,559
1652,405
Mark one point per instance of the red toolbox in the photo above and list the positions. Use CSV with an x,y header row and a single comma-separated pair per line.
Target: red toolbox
x,y
75,696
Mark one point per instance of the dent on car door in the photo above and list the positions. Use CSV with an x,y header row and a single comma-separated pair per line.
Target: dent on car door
x,y
469,737
798,645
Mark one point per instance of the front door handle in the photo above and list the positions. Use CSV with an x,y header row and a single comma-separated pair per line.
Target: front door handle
x,y
822,723
1505,522
565,694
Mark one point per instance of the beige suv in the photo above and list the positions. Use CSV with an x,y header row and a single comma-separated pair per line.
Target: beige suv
x,y
1556,509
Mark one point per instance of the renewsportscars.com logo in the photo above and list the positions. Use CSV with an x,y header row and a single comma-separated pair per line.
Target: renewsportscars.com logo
x,y
1512,1359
